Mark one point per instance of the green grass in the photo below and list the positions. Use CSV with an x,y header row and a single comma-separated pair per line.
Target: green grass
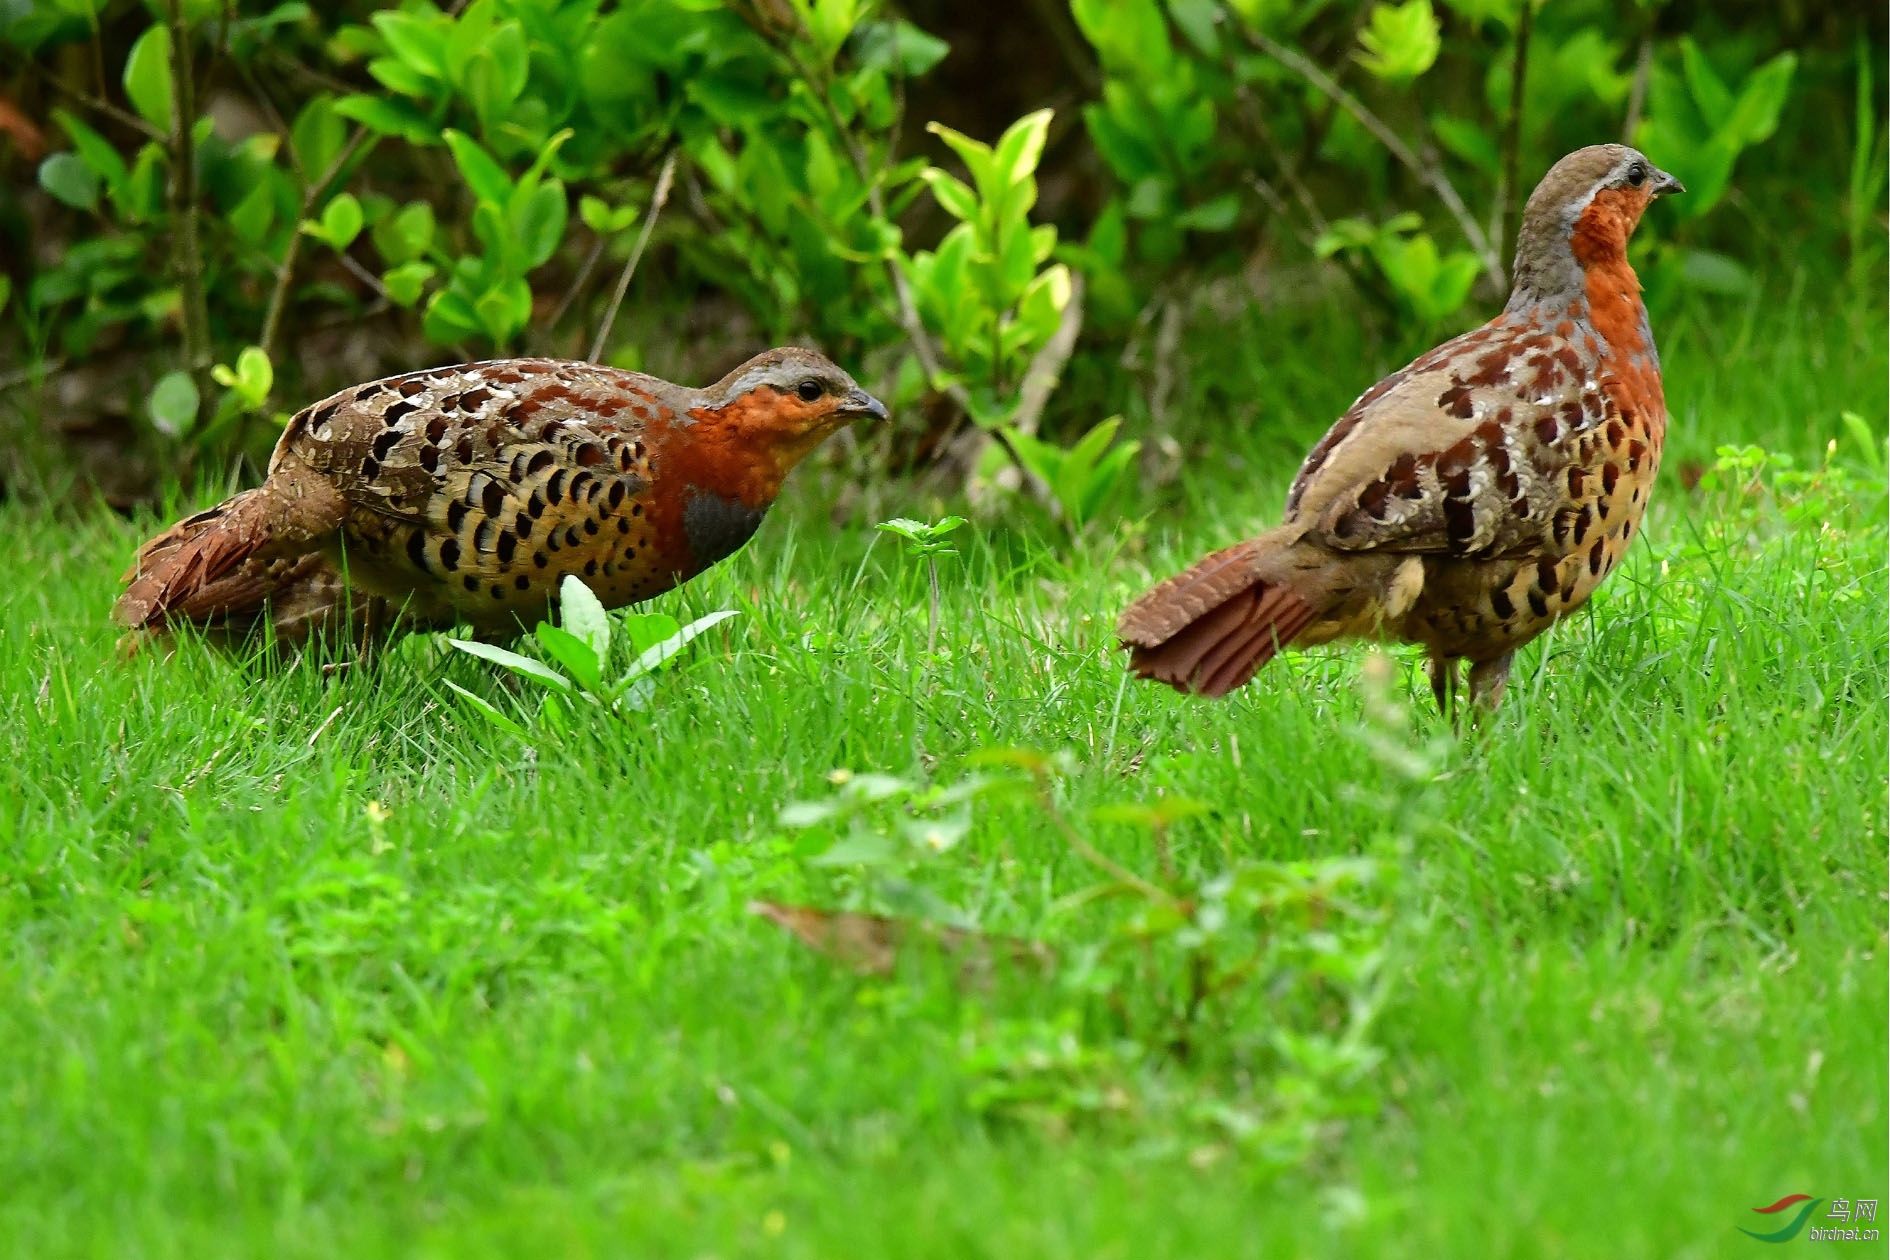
x,y
1634,981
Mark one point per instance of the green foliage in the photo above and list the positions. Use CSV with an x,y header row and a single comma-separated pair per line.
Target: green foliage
x,y
415,168
1869,172
1698,124
513,107
930,542
582,648
922,539
985,292
1278,966
1082,479
1429,286
295,924
1401,42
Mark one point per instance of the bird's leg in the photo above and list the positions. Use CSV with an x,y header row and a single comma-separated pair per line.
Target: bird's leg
x,y
1444,684
1487,680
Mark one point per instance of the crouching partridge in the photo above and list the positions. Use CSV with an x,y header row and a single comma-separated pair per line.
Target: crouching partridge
x,y
467,494
1470,499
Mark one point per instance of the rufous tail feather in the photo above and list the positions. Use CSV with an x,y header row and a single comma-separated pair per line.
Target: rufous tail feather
x,y
1211,628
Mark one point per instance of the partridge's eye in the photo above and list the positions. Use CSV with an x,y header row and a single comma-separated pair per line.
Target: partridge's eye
x,y
1637,174
810,390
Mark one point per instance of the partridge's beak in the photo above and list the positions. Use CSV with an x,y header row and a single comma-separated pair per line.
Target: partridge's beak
x,y
861,403
1666,185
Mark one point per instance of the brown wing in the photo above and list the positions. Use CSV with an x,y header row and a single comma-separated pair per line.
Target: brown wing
x,y
1472,450
465,482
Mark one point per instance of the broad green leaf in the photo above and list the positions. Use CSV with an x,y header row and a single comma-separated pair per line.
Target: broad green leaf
x,y
70,180
578,657
504,309
148,76
1215,215
405,235
799,815
953,195
252,217
540,227
341,221
537,671
419,41
583,615
1715,273
897,47
389,117
450,316
257,374
98,152
829,22
646,630
252,378
1130,36
1468,141
1710,93
317,138
405,283
1870,442
144,186
975,154
482,174
1755,116
656,657
173,404
1103,480
1021,146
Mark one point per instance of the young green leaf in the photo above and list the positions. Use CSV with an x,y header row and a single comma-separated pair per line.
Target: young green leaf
x,y
148,76
1401,42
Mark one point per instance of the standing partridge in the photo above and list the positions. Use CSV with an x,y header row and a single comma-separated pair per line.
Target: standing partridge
x,y
1470,499
468,493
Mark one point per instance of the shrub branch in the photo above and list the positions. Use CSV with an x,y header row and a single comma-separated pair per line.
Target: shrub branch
x,y
1427,170
184,197
664,178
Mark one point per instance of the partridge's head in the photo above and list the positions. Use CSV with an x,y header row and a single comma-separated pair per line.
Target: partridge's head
x,y
1581,215
784,402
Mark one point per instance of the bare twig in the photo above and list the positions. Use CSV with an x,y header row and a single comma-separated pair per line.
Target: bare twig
x,y
184,197
1046,366
1508,172
1167,350
36,373
1428,170
365,276
1040,381
285,271
1637,96
97,104
578,281
664,178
